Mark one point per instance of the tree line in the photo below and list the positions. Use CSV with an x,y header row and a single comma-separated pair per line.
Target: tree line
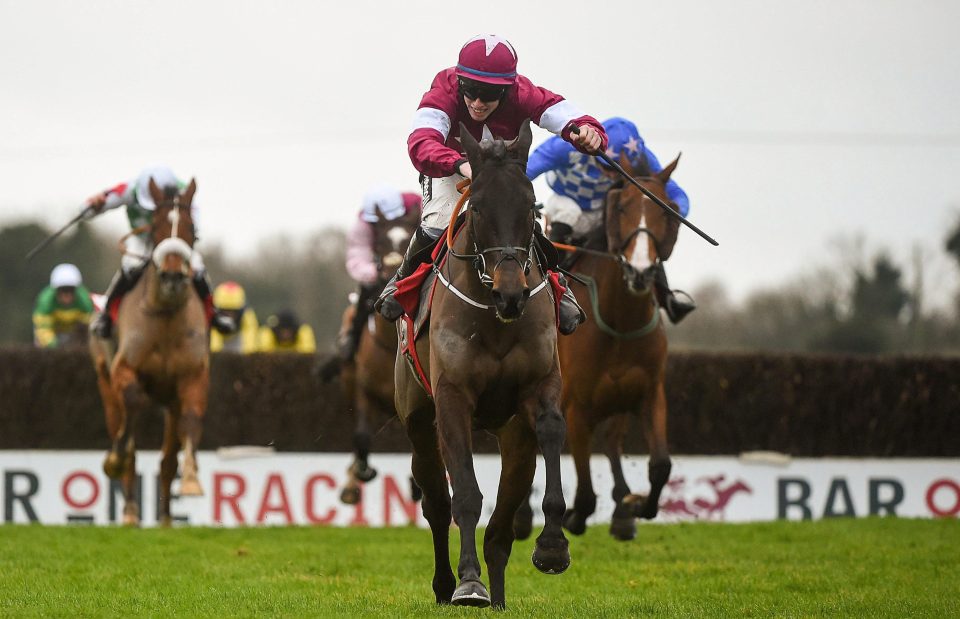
x,y
858,308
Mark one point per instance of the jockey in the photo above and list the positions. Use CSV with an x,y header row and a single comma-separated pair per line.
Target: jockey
x,y
362,262
135,196
62,307
484,92
285,333
580,184
231,299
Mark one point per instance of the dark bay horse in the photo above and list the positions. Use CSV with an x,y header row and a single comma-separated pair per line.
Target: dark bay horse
x,y
614,364
367,381
491,361
161,355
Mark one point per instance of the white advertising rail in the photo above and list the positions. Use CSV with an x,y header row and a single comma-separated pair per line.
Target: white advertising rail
x,y
257,487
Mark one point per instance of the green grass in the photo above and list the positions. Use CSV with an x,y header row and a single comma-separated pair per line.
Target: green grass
x,y
851,568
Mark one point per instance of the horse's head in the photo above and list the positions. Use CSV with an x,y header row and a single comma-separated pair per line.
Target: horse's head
x,y
390,240
173,236
638,230
500,218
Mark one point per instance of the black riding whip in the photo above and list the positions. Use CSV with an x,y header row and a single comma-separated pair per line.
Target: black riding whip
x,y
83,215
616,166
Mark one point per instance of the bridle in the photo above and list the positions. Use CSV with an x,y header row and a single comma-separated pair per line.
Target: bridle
x,y
478,257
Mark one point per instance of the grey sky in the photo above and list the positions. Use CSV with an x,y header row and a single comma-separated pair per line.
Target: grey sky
x,y
798,121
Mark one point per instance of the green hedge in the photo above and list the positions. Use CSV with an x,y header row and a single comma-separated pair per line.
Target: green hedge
x,y
719,404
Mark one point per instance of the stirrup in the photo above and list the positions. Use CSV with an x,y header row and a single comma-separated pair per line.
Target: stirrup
x,y
223,324
678,309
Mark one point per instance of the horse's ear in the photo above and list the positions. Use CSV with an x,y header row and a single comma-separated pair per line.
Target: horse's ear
x,y
191,189
155,192
664,174
471,147
521,146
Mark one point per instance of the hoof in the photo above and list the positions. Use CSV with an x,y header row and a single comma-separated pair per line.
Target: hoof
x,y
553,558
131,520
623,529
642,507
113,465
365,474
350,495
471,593
574,522
190,487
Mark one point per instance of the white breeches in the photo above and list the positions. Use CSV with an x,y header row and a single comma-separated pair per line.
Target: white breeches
x,y
561,209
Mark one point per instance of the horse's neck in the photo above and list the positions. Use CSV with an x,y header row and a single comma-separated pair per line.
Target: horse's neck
x,y
618,306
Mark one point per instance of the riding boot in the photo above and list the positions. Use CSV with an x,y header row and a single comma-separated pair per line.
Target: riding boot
x,y
676,308
347,346
416,254
219,321
121,284
571,314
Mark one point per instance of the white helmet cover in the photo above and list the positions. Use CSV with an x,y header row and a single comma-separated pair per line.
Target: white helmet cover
x,y
162,176
387,198
65,276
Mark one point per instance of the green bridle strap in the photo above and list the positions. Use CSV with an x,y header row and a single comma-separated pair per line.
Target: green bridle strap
x,y
591,285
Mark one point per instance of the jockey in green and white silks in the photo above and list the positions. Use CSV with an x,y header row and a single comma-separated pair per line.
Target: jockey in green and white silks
x,y
135,197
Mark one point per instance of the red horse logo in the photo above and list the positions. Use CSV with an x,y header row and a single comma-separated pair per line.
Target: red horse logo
x,y
676,501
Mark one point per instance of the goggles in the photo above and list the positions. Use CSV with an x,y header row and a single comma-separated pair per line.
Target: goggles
x,y
477,90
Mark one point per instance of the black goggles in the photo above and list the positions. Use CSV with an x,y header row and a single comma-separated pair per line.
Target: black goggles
x,y
477,90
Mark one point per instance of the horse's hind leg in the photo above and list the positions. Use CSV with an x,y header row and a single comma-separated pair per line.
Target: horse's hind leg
x,y
552,552
579,435
454,418
655,429
622,525
193,404
168,464
428,470
518,456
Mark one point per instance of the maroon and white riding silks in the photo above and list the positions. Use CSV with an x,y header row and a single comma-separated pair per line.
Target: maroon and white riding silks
x,y
434,144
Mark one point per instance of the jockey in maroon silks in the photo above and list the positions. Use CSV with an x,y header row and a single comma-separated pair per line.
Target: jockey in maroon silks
x,y
486,94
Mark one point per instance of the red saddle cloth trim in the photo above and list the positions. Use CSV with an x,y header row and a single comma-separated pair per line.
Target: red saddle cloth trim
x,y
113,309
410,352
408,289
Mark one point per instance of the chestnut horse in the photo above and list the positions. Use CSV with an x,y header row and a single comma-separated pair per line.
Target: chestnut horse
x,y
614,364
161,355
491,362
367,381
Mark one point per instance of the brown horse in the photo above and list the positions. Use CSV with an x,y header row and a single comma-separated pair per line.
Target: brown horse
x,y
367,381
491,361
614,364
161,355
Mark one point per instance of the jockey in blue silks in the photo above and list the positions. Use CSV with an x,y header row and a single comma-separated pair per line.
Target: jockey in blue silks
x,y
580,184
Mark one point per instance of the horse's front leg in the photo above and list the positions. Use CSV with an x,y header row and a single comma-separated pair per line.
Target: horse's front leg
x,y
168,464
131,508
122,397
192,391
518,457
360,471
654,419
552,554
454,414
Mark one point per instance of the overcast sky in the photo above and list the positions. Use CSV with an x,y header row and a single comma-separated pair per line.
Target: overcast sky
x,y
799,122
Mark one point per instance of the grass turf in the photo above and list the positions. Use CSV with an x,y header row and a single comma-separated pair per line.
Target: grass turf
x,y
840,567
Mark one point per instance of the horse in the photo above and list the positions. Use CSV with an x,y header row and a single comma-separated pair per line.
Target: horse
x,y
615,364
161,355
491,363
367,381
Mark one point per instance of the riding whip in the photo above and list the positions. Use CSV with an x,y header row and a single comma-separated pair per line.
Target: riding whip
x,y
616,166
83,215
